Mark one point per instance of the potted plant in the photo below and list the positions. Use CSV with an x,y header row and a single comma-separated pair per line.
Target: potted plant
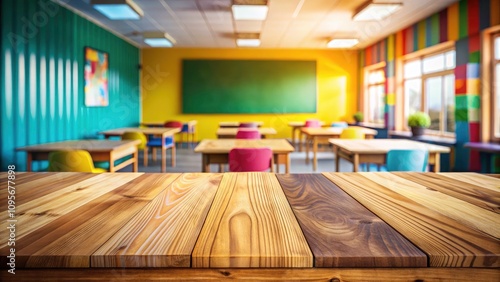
x,y
358,117
418,121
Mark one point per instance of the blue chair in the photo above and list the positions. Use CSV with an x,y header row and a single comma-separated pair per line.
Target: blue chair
x,y
341,124
407,160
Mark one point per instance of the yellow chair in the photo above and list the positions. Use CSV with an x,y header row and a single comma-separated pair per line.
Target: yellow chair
x,y
133,135
352,133
72,161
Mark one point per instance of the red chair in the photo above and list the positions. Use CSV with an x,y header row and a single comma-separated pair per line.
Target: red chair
x,y
248,125
173,123
250,159
312,123
248,134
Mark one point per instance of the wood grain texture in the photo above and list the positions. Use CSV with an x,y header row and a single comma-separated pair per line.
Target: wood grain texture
x,y
485,181
68,194
472,193
251,224
340,231
69,240
164,232
281,274
468,214
447,242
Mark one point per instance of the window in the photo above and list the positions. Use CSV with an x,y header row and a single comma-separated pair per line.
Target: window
x,y
429,86
375,102
496,84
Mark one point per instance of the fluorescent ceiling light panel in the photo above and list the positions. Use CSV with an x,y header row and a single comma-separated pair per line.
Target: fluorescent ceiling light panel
x,y
255,10
371,11
158,39
342,43
248,42
118,9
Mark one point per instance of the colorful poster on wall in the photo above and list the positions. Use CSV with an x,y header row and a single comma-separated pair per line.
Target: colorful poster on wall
x,y
96,78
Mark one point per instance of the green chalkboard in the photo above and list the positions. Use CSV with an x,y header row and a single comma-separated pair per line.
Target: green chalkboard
x,y
244,86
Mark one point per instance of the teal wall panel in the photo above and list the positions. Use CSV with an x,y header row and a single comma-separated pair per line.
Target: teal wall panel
x,y
42,95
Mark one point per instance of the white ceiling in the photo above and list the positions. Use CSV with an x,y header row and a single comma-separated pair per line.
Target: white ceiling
x,y
289,23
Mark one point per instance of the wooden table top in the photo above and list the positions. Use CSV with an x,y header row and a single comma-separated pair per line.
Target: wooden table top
x,y
161,123
145,130
254,220
225,145
232,131
88,145
332,131
378,146
301,123
237,123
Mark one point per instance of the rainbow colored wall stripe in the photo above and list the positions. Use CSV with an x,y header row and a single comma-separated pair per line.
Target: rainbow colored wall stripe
x,y
460,22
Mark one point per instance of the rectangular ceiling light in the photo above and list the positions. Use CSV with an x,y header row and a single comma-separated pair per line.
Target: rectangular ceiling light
x,y
248,39
158,39
342,43
371,11
118,9
255,10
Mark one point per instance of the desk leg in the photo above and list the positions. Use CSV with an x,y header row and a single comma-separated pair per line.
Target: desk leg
x,y
173,153
164,158
315,152
29,160
307,148
287,166
437,164
337,158
136,161
111,163
276,162
205,165
355,163
300,141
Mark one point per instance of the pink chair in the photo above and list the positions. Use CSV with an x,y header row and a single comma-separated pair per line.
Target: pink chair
x,y
248,134
250,159
312,123
248,125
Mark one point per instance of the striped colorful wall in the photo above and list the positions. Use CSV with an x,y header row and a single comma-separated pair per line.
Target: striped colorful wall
x,y
460,22
42,98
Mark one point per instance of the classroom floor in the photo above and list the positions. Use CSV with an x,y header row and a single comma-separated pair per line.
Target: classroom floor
x,y
189,161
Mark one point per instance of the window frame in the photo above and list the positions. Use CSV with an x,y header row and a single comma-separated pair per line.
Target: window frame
x,y
365,108
423,77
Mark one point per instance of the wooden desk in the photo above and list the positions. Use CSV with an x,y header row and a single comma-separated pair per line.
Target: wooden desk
x,y
162,132
100,150
296,126
254,226
216,151
375,151
232,124
486,152
317,135
227,132
191,125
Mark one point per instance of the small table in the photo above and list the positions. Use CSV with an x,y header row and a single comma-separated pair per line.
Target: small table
x,y
296,125
315,134
191,128
216,151
100,150
164,132
232,124
486,152
224,132
375,151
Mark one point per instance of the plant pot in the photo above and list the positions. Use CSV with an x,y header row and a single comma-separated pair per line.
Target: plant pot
x,y
417,131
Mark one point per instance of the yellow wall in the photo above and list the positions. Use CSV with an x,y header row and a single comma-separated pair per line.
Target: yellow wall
x,y
162,80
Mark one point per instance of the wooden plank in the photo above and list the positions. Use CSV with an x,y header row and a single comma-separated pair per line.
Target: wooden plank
x,y
251,224
249,274
340,231
447,242
70,240
486,181
31,186
468,214
164,232
67,197
474,194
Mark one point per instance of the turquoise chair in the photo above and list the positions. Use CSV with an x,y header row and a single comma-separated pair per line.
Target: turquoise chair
x,y
341,124
407,160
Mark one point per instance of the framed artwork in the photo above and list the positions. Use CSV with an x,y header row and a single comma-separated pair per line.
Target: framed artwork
x,y
96,78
